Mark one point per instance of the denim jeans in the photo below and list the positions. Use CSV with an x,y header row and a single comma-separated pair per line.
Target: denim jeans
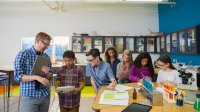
x,y
29,104
121,81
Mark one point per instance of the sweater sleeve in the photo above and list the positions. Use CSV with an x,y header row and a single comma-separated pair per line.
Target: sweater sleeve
x,y
158,77
118,70
178,80
132,76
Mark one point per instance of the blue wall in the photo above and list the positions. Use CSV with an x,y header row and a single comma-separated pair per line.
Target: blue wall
x,y
184,14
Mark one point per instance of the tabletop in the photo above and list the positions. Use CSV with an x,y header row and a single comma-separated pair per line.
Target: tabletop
x,y
167,107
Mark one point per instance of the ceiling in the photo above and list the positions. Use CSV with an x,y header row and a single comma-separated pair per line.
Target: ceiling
x,y
91,1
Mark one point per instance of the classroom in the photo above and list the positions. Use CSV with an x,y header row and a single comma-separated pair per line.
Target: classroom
x,y
144,31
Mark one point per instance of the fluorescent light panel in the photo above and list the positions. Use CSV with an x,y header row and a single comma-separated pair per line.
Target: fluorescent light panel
x,y
97,0
100,1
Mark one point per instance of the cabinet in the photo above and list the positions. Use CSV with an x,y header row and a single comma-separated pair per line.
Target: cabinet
x,y
162,44
87,43
145,44
140,44
174,43
130,43
181,42
189,39
158,44
98,43
77,44
119,44
192,40
135,43
151,44
168,43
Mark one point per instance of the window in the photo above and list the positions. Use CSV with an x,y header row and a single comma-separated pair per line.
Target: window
x,y
58,46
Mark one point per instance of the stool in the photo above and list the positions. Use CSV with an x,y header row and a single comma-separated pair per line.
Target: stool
x,y
54,79
3,80
53,83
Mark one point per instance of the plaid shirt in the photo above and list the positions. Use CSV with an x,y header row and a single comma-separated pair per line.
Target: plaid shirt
x,y
70,77
23,64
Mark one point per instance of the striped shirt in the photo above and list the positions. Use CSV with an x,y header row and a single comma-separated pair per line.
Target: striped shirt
x,y
23,64
70,77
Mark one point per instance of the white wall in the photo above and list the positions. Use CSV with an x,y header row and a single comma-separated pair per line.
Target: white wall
x,y
17,20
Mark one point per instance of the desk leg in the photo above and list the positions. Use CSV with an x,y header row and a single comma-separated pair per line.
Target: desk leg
x,y
9,84
4,95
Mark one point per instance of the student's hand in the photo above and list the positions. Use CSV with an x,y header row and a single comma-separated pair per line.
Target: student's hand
x,y
45,69
112,85
59,92
95,95
121,75
43,81
76,90
141,80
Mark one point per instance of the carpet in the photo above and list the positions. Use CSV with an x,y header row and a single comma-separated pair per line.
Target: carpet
x,y
15,90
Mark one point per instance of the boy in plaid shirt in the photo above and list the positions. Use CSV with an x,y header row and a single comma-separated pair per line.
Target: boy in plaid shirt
x,y
70,75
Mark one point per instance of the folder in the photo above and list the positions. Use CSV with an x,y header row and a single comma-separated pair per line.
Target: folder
x,y
40,62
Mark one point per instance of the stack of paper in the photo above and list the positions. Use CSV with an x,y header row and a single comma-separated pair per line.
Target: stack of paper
x,y
114,97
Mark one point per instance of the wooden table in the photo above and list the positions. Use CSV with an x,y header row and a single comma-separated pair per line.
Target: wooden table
x,y
8,71
167,107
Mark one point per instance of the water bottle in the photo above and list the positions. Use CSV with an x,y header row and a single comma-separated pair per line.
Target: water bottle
x,y
197,102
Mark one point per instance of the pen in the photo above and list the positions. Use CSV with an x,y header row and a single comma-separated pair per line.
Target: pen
x,y
142,74
114,81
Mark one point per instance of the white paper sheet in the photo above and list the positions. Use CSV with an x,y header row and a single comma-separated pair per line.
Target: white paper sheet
x,y
65,89
114,98
122,88
160,89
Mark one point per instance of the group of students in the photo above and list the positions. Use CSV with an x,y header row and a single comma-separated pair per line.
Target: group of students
x,y
102,72
128,70
133,71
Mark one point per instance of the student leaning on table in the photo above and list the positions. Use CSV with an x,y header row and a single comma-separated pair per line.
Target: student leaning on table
x,y
167,71
142,67
99,71
70,75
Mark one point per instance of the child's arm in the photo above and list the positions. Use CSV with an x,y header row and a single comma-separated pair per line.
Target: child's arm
x,y
94,86
119,70
132,76
58,81
82,85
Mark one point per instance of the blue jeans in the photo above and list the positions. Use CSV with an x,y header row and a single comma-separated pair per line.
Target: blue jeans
x,y
29,104
121,81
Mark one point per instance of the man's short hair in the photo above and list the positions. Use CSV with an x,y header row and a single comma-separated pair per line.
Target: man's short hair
x,y
42,36
94,52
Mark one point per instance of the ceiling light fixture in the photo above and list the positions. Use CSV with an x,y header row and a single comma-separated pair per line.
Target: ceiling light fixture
x,y
57,5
